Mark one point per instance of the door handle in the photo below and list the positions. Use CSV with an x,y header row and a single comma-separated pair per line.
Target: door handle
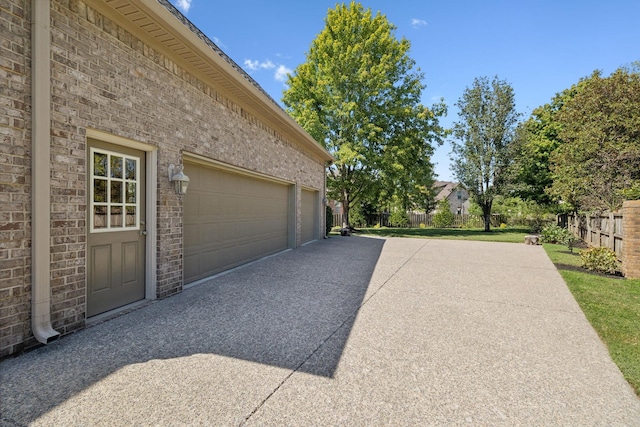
x,y
143,232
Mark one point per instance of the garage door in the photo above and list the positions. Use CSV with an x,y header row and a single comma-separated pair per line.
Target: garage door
x,y
309,215
231,219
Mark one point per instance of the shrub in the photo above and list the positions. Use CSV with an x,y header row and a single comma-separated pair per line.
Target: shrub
x,y
603,260
328,220
536,228
570,241
398,218
632,193
443,217
422,225
503,225
553,233
356,219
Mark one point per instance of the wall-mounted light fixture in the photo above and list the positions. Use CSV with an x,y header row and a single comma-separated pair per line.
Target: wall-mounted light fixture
x,y
179,179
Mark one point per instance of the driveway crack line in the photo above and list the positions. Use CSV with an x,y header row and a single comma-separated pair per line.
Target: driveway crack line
x,y
511,304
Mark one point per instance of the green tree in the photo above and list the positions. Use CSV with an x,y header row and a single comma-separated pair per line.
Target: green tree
x,y
535,140
487,119
598,161
398,216
523,212
358,94
443,218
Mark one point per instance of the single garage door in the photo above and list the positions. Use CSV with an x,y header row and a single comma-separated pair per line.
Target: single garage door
x,y
309,215
231,219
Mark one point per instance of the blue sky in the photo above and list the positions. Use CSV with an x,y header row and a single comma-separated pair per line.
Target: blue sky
x,y
539,47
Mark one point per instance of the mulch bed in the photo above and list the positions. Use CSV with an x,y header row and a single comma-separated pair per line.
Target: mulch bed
x,y
567,267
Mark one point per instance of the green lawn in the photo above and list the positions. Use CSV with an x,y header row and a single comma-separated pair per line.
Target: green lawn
x,y
611,304
509,234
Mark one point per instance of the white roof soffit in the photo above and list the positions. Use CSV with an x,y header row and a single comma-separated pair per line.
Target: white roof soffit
x,y
159,24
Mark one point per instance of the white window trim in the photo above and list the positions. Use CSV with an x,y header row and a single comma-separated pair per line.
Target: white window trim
x,y
108,204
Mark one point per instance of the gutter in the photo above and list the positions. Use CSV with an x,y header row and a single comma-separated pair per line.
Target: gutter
x,y
41,173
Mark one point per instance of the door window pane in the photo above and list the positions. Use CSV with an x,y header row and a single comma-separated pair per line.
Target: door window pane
x,y
99,164
116,217
116,192
131,169
116,167
100,190
131,216
99,217
131,192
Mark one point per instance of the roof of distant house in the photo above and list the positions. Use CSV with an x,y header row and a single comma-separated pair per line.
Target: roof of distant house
x,y
444,189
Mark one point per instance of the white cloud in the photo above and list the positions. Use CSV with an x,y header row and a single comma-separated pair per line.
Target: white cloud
x,y
183,5
267,65
417,23
251,65
255,65
281,73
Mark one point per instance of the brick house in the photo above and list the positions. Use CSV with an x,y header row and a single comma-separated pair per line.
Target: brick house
x,y
100,102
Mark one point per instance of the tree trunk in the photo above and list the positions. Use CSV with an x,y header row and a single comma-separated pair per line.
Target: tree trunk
x,y
486,214
345,211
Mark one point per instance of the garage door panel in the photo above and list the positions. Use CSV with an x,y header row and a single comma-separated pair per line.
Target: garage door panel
x,y
228,232
191,233
208,231
309,214
276,227
252,228
191,205
271,209
246,205
191,265
226,205
231,219
209,205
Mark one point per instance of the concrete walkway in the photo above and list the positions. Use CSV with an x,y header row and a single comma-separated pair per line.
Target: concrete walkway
x,y
348,331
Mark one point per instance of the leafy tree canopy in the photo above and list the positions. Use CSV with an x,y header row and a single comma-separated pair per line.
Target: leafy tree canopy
x,y
358,94
535,140
598,161
486,125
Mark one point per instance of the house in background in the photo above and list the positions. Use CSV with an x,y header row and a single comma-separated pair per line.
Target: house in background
x,y
336,206
457,195
108,110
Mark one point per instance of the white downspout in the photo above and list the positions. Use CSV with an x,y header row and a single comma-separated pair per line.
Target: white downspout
x,y
41,173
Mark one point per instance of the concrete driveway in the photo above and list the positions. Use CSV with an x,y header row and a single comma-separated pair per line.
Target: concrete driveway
x,y
349,331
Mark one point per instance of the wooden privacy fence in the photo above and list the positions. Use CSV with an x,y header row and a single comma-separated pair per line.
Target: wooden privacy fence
x,y
619,231
603,230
